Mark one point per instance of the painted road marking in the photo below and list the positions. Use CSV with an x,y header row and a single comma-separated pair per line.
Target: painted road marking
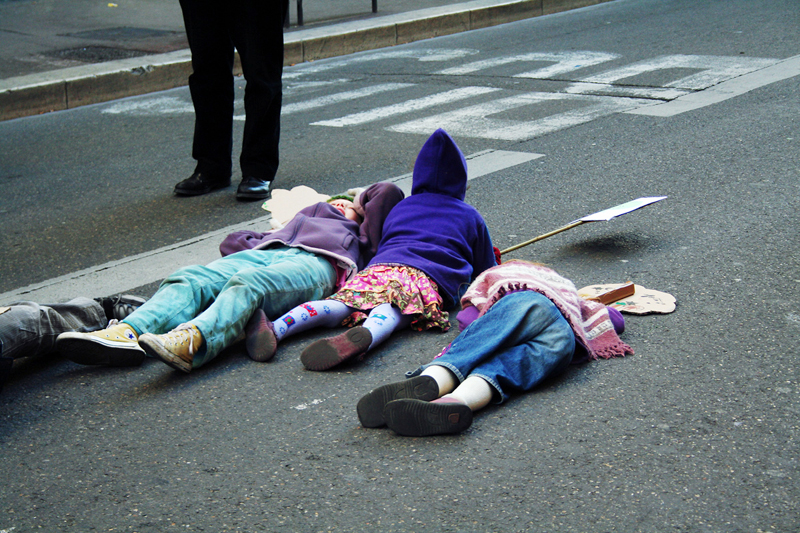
x,y
727,89
322,101
330,99
479,164
595,96
297,87
713,70
477,121
406,107
701,80
162,105
564,62
422,55
138,270
644,93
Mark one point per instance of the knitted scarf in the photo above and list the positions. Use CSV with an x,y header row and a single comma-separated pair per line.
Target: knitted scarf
x,y
589,320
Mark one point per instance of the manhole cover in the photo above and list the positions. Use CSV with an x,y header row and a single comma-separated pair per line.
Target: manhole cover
x,y
96,54
122,33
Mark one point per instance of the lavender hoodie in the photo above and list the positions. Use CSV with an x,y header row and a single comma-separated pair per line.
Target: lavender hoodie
x,y
321,229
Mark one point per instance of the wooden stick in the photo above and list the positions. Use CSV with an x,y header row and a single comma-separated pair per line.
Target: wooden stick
x,y
540,237
606,214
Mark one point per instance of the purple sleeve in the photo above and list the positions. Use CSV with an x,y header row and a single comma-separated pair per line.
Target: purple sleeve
x,y
240,240
374,204
466,317
617,319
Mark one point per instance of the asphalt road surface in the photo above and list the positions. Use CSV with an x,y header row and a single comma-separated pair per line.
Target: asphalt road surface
x,y
571,114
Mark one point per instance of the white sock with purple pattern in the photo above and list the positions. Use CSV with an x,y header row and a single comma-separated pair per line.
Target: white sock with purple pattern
x,y
383,320
322,313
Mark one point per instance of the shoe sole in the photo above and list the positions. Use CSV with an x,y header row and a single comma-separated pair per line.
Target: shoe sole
x,y
260,341
185,192
370,406
78,349
324,355
153,348
126,304
253,196
415,418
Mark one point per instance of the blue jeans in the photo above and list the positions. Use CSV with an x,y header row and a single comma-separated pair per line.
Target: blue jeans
x,y
522,340
219,298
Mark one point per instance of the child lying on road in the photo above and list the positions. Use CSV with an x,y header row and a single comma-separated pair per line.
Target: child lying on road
x,y
200,310
522,324
433,244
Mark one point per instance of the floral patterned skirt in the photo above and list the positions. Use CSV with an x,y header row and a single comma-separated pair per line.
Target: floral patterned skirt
x,y
405,287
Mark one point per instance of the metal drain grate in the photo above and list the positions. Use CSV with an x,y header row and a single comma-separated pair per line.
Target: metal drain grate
x,y
96,54
121,33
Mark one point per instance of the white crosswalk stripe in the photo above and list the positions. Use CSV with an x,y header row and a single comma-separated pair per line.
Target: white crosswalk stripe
x,y
563,62
661,86
406,107
336,98
477,121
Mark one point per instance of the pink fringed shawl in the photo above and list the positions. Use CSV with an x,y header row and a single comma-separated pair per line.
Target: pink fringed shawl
x,y
589,320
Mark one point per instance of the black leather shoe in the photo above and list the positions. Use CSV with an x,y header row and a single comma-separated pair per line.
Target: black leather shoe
x,y
253,189
199,183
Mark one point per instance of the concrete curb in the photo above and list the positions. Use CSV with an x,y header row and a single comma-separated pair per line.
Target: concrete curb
x,y
78,86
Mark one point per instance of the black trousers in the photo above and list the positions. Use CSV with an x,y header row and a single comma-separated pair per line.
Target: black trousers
x,y
255,29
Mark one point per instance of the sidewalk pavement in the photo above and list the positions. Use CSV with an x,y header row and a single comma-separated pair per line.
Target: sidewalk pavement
x,y
57,55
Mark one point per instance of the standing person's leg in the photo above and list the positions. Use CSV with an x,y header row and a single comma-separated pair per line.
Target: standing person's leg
x,y
273,280
258,36
208,30
521,341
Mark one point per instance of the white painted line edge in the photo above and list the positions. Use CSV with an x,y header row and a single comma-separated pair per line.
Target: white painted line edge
x,y
131,272
478,164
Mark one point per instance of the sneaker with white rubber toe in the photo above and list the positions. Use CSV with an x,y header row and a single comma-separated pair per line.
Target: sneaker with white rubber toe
x,y
116,345
176,348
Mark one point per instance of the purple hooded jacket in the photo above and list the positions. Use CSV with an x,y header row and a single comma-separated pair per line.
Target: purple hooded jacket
x,y
434,230
321,229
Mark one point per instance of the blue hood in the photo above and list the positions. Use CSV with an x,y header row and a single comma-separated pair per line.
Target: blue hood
x,y
440,167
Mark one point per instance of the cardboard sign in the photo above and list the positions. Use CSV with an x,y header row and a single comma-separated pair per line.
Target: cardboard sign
x,y
285,204
644,301
621,209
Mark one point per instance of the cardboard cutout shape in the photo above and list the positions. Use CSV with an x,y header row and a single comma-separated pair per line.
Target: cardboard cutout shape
x,y
644,301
